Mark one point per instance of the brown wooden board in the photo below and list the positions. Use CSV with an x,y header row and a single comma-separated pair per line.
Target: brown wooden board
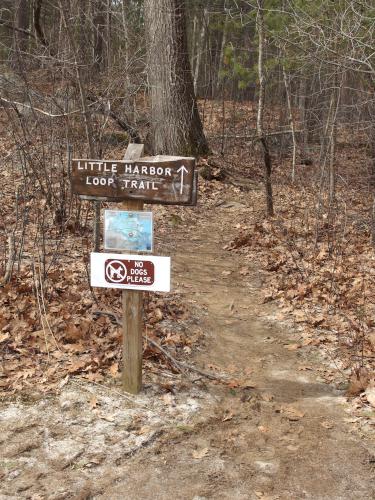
x,y
156,179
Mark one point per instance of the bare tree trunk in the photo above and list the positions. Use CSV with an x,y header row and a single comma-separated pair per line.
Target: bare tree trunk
x,y
262,90
125,27
200,47
221,55
332,170
336,96
20,38
302,115
99,24
291,122
176,126
193,41
373,224
108,35
22,22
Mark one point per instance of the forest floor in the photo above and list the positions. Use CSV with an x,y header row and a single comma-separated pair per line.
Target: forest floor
x,y
277,430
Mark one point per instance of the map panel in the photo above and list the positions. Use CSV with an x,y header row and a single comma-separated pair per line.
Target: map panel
x,y
128,230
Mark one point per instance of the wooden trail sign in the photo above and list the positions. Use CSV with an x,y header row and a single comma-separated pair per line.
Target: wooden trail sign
x,y
133,181
166,180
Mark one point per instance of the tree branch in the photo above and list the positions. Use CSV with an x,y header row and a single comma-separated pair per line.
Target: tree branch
x,y
51,115
15,28
120,122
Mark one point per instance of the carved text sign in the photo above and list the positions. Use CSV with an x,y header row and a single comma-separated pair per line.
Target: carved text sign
x,y
155,179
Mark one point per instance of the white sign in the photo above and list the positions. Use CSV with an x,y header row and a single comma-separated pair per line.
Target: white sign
x,y
133,272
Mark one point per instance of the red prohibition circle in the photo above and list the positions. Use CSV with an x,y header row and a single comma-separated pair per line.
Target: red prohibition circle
x,y
114,275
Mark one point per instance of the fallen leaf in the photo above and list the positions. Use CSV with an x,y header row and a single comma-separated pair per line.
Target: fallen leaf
x,y
167,398
248,384
358,383
292,447
267,397
233,384
351,420
370,395
300,316
264,496
198,454
303,368
144,430
4,337
114,370
108,418
228,416
64,381
292,347
326,424
263,429
93,402
292,413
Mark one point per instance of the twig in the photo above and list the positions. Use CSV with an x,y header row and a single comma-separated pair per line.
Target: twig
x,y
39,276
36,285
254,137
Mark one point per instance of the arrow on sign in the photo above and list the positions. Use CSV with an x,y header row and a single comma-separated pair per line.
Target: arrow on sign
x,y
183,171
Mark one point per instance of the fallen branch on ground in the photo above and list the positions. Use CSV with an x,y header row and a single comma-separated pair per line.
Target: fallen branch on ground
x,y
180,366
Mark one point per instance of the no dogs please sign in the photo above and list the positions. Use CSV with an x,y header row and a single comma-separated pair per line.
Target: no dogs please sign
x,y
154,179
138,272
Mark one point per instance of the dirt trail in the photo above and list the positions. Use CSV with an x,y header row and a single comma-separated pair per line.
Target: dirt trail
x,y
255,443
283,437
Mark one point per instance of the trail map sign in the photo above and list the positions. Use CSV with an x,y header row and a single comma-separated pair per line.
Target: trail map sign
x,y
155,179
129,231
134,272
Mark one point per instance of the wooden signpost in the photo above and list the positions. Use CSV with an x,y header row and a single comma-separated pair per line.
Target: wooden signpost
x,y
134,180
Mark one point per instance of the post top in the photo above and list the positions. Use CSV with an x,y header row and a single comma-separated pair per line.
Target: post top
x,y
157,158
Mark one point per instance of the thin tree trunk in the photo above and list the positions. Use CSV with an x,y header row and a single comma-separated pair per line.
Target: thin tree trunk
x,y
193,41
373,224
99,23
108,36
20,36
221,55
22,18
200,46
262,90
336,98
302,116
291,122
